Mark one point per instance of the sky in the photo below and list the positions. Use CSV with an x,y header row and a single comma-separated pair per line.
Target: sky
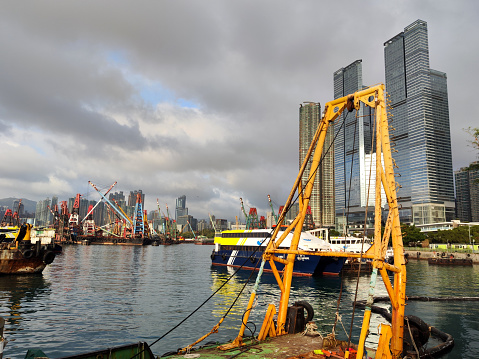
x,y
197,98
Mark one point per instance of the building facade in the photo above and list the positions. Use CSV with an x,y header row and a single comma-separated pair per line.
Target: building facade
x,y
181,209
354,156
420,110
467,193
322,197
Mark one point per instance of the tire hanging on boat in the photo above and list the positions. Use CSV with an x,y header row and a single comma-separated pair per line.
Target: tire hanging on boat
x,y
48,257
27,253
309,309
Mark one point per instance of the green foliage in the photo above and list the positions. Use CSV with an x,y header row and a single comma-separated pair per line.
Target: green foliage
x,y
188,235
455,235
474,132
210,233
411,234
334,233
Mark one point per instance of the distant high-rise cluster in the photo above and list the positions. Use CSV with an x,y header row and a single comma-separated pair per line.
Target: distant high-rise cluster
x,y
420,135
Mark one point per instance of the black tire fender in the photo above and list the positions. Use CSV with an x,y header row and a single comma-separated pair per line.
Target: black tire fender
x,y
223,256
308,309
48,257
27,253
419,324
213,256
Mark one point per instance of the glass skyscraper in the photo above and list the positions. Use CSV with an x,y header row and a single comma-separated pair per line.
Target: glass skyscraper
x,y
467,193
421,134
354,155
322,197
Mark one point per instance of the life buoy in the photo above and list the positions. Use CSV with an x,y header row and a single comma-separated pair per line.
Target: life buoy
x,y
48,257
27,253
308,308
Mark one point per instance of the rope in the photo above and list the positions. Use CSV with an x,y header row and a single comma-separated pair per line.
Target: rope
x,y
412,339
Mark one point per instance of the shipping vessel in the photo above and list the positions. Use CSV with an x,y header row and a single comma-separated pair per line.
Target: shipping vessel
x,y
18,255
245,248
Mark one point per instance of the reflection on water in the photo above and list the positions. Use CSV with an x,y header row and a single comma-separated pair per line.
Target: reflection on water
x,y
94,297
18,298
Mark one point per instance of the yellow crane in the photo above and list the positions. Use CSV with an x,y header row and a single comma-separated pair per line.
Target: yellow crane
x,y
390,344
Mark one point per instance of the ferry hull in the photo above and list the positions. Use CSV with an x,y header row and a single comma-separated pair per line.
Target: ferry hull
x,y
303,266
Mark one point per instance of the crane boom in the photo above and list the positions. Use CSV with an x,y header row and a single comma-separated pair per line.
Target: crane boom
x,y
111,204
90,211
272,209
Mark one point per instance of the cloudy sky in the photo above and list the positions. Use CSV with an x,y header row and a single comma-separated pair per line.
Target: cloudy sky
x,y
197,97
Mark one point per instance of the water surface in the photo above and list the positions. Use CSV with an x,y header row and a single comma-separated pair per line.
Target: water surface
x,y
93,297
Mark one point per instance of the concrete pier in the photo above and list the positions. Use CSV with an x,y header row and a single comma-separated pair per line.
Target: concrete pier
x,y
424,255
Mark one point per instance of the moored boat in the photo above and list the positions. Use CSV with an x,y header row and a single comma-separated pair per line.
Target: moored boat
x,y
245,248
20,256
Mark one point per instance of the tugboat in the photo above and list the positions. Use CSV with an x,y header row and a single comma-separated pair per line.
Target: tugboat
x,y
19,256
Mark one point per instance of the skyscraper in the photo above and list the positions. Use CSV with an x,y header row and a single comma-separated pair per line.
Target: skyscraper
x,y
322,197
467,193
419,105
181,209
354,155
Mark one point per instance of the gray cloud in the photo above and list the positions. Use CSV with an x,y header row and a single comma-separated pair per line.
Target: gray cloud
x,y
95,91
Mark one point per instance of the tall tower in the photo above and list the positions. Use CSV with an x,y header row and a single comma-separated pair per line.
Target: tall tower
x,y
181,209
422,136
467,193
322,197
354,155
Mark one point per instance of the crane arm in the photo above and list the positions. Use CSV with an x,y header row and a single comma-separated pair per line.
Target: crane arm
x,y
90,211
111,204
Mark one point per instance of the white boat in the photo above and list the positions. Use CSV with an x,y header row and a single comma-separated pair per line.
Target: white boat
x,y
343,244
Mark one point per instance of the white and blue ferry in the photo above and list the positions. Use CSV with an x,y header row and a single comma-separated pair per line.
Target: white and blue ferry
x,y
244,248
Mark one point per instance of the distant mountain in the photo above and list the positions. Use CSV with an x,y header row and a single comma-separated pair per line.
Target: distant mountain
x,y
28,205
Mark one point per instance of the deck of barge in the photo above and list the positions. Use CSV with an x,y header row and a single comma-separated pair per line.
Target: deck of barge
x,y
281,347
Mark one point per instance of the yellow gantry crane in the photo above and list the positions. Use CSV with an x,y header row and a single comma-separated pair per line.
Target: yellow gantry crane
x,y
391,341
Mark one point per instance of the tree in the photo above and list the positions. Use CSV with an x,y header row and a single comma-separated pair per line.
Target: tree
x,y
411,234
474,132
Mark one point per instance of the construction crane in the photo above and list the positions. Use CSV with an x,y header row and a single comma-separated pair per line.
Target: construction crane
x,y
111,204
244,211
138,223
213,223
73,220
93,207
275,216
192,231
89,223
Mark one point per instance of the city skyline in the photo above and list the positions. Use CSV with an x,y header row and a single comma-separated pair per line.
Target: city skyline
x,y
181,98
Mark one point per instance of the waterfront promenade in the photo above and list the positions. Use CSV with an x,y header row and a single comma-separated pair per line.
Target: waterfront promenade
x,y
425,253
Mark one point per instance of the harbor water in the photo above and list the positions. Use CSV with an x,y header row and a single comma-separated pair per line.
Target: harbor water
x,y
94,297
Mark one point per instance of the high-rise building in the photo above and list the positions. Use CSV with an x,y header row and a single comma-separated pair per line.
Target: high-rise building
x,y
132,197
467,193
354,155
181,209
43,215
419,105
322,197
